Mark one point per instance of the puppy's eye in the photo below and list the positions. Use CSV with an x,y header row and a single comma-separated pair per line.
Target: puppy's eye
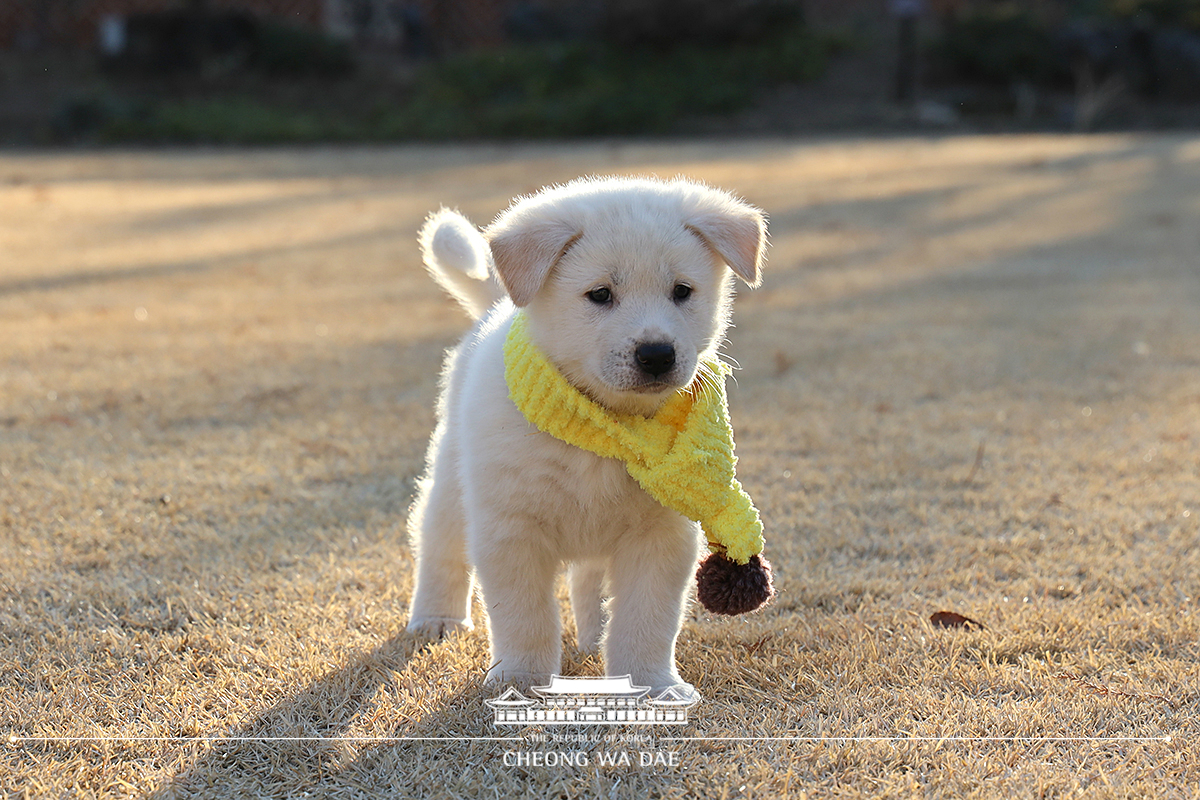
x,y
601,295
682,291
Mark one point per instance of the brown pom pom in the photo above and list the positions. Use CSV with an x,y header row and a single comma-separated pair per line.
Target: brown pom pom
x,y
725,587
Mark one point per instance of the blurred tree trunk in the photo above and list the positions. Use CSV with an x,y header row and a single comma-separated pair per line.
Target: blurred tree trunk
x,y
198,12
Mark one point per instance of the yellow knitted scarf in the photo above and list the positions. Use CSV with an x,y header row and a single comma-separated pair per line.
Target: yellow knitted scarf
x,y
682,456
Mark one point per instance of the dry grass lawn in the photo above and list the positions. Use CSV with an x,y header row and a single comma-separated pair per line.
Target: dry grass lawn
x,y
971,382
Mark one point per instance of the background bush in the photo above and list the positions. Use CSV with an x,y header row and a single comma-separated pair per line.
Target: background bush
x,y
584,89
549,89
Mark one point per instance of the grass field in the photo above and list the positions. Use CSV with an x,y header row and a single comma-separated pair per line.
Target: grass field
x,y
970,382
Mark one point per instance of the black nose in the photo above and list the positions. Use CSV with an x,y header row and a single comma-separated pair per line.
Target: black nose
x,y
655,358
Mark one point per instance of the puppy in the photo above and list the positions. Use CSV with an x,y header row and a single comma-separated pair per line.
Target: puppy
x,y
626,288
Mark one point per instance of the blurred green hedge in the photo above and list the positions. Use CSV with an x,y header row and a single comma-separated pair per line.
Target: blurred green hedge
x,y
587,89
527,91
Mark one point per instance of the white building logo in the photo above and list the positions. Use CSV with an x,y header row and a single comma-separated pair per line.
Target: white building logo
x,y
593,701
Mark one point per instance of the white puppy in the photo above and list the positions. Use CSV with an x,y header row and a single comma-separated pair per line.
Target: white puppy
x,y
626,286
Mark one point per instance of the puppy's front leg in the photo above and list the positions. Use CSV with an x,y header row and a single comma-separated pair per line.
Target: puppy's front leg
x,y
516,576
650,579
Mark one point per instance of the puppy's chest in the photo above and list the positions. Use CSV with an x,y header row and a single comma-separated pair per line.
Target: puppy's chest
x,y
590,494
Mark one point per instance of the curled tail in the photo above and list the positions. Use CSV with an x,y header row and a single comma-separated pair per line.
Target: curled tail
x,y
459,259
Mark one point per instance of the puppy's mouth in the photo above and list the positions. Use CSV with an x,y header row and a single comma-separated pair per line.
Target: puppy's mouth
x,y
644,386
656,387
655,384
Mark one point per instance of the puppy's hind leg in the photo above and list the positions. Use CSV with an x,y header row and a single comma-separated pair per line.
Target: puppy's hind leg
x,y
442,599
587,586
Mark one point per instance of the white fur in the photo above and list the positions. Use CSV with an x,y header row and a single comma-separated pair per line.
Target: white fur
x,y
510,505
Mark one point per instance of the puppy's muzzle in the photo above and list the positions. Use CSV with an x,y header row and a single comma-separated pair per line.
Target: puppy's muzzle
x,y
655,358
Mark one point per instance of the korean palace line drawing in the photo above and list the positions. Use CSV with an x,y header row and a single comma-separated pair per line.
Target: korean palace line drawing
x,y
593,701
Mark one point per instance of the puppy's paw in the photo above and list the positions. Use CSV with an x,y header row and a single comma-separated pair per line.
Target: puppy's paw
x,y
523,681
438,627
660,682
683,692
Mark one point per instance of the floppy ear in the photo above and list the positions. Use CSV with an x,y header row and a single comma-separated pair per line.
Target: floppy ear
x,y
525,250
737,233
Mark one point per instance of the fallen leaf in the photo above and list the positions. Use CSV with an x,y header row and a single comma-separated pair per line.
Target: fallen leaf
x,y
782,363
948,619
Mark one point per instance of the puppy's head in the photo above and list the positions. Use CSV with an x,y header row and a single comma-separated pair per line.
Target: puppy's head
x,y
627,283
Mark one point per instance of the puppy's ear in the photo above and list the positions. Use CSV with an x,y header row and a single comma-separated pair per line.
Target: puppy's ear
x,y
524,250
737,233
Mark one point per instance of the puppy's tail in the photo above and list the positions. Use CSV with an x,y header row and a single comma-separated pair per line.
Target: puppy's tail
x,y
459,259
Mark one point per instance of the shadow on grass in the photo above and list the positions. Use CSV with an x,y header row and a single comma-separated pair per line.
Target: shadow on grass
x,y
318,739
75,280
332,738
